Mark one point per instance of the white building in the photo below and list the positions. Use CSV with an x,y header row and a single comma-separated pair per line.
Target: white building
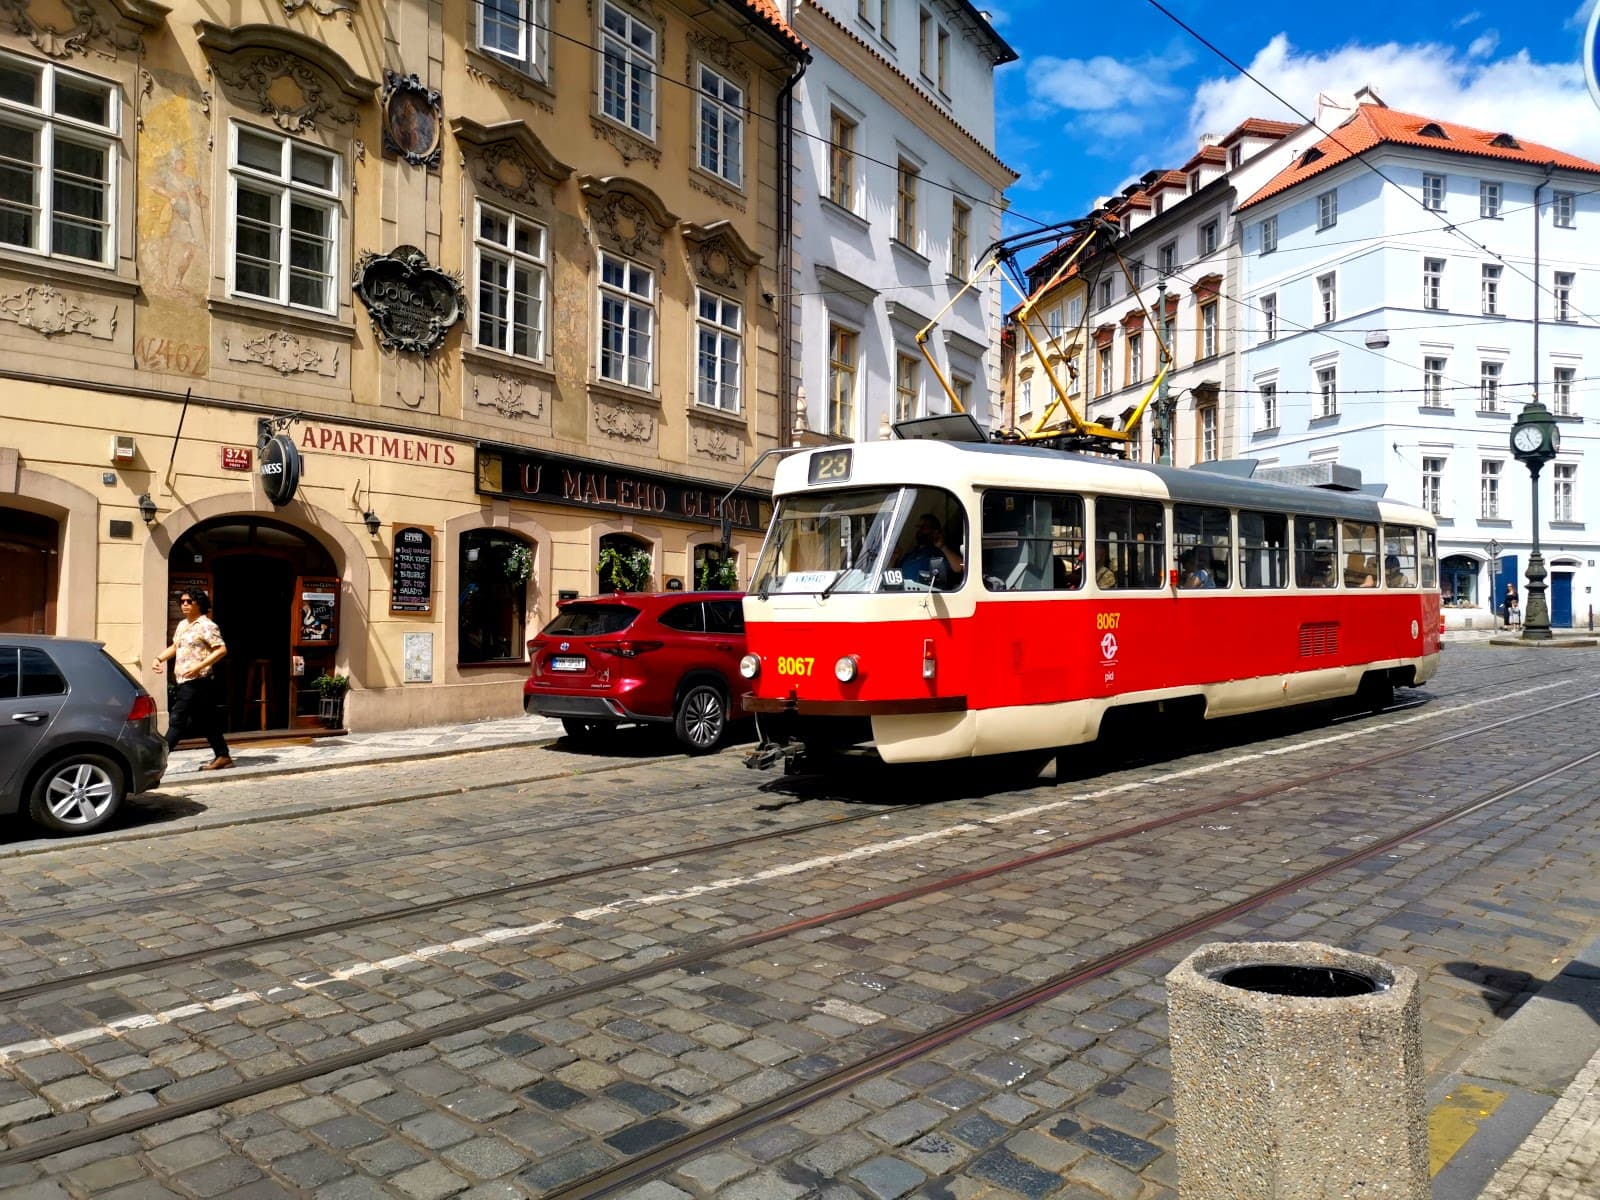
x,y
897,190
1390,309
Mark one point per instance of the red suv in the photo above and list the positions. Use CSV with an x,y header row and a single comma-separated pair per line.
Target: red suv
x,y
644,657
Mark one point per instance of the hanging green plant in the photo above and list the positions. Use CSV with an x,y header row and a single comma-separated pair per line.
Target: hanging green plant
x,y
718,575
519,564
625,570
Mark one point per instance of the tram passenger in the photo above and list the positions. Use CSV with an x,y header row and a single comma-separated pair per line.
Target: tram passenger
x,y
1194,571
1104,576
1393,575
928,560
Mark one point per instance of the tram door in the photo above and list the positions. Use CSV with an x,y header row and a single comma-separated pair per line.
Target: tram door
x,y
1561,599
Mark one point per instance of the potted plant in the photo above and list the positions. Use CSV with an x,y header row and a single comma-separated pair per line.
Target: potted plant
x,y
519,564
332,689
625,570
718,575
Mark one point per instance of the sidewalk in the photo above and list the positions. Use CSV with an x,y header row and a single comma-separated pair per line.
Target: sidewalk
x,y
296,752
1521,1119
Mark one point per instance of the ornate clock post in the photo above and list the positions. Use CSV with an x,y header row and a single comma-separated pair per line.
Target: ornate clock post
x,y
1534,440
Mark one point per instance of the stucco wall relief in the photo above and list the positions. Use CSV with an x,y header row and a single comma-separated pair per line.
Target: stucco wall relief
x,y
509,395
624,422
284,352
51,313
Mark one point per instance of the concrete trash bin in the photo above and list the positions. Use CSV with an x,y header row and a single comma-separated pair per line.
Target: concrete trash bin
x,y
1296,1074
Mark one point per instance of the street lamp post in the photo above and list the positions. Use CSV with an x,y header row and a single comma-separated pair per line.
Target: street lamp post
x,y
1492,548
1534,440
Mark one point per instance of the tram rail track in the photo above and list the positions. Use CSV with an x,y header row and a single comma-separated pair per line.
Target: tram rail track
x,y
423,908
689,958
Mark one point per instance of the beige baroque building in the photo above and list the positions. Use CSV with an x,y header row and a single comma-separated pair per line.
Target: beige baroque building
x,y
502,271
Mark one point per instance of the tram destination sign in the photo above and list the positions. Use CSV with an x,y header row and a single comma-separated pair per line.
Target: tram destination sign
x,y
553,479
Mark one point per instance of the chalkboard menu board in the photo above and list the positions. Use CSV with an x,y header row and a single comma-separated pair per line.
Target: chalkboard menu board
x,y
413,569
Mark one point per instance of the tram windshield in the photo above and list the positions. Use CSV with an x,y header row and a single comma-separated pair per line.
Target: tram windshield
x,y
906,539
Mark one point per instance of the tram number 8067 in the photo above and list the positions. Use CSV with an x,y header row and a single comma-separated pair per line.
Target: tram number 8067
x,y
789,664
1107,620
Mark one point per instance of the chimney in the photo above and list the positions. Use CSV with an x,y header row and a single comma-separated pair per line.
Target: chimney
x,y
1369,95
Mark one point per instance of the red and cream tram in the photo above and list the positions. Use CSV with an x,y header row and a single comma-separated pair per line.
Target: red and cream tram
x,y
946,600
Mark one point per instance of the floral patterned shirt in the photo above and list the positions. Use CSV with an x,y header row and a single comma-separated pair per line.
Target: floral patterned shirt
x,y
195,640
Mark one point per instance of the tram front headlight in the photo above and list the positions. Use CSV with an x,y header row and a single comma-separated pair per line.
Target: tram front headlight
x,y
750,666
847,668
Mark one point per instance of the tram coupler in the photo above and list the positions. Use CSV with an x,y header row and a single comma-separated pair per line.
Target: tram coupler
x,y
769,754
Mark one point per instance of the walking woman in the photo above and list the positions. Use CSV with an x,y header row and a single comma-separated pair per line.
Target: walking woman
x,y
197,647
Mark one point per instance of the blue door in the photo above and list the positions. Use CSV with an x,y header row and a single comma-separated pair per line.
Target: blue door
x,y
1561,600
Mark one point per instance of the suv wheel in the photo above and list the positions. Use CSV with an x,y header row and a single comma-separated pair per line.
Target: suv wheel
x,y
79,794
702,718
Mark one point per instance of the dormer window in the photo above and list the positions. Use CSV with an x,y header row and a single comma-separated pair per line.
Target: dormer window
x,y
1310,156
1505,142
1433,130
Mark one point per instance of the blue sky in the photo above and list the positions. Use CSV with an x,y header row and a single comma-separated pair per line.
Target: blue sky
x,y
1096,101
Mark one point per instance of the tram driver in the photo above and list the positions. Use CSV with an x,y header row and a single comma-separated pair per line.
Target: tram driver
x,y
929,560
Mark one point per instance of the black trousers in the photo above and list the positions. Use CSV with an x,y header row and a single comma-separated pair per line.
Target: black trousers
x,y
194,713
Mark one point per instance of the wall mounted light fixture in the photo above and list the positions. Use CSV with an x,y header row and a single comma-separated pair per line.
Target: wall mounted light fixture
x,y
373,523
147,509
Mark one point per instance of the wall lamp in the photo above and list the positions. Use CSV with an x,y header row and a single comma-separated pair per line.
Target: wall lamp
x,y
147,509
372,522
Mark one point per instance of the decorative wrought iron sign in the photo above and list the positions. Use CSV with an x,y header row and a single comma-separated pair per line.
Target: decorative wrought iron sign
x,y
280,469
413,119
413,304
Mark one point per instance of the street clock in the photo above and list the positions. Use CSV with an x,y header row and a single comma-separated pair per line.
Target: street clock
x,y
1536,437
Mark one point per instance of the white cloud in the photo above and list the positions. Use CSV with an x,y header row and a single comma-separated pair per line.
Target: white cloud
x,y
1465,19
1484,44
1540,102
1098,83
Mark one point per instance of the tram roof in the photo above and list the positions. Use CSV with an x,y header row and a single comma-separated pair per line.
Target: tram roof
x,y
990,464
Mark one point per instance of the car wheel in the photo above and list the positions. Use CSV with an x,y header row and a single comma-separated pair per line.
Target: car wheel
x,y
77,794
702,718
584,732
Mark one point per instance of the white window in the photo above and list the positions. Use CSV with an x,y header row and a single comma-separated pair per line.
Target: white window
x,y
905,212
1327,298
1136,271
885,7
1210,234
1104,382
1136,356
58,133
627,321
1489,199
1269,317
1268,394
842,161
1075,311
627,70
960,239
1433,283
963,390
1491,289
1564,284
720,335
1167,258
1433,192
1105,293
1055,324
1489,490
1433,484
1489,386
1564,209
1565,487
1328,210
906,387
842,357
1208,329
1027,395
1208,433
1564,378
284,219
511,30
721,127
1269,235
943,62
1328,391
1433,382
510,254
924,40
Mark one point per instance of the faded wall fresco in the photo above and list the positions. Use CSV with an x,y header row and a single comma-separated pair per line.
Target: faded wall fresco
x,y
174,216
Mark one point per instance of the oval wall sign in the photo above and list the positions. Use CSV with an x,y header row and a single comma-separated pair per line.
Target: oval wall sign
x,y
280,469
413,303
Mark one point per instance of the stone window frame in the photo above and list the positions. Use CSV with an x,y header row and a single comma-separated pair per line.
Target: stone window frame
x,y
248,62
534,16
645,15
726,79
331,200
540,262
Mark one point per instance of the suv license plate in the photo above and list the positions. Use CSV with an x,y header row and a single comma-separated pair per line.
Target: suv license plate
x,y
573,663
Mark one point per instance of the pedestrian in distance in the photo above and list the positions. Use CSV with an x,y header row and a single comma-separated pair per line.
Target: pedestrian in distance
x,y
197,647
1511,606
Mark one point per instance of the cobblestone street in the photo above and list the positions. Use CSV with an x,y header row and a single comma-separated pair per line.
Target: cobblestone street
x,y
529,971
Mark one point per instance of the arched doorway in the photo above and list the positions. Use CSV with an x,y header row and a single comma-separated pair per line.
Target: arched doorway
x,y
275,594
30,559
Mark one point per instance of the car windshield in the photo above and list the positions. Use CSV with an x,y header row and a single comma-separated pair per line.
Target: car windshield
x,y
864,540
590,620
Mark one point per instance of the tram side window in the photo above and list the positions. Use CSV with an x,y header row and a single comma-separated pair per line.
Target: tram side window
x,y
930,553
1430,561
1203,542
1264,550
1360,555
1032,542
1130,546
1314,549
1399,556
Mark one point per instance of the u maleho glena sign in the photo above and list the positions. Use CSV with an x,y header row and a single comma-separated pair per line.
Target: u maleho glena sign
x,y
527,475
413,303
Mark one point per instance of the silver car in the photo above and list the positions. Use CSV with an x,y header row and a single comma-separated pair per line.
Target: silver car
x,y
77,733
